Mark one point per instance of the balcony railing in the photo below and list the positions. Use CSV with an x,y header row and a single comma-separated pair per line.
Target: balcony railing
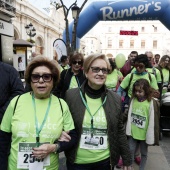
x,y
8,7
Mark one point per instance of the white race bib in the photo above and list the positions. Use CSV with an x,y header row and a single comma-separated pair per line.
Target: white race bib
x,y
26,159
94,140
139,121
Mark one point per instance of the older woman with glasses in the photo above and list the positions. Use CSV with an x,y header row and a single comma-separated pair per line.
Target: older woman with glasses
x,y
72,77
34,123
97,117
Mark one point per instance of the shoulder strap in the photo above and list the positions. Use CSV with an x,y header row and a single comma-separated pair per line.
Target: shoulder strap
x,y
149,75
61,105
65,73
131,77
16,104
154,71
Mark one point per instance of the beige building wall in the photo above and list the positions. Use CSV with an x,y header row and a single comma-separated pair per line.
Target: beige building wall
x,y
152,36
48,27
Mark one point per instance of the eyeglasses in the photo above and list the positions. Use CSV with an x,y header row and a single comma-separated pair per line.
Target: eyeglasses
x,y
97,70
77,62
36,77
139,65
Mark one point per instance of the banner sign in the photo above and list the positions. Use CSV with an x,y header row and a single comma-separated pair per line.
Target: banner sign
x,y
123,32
60,48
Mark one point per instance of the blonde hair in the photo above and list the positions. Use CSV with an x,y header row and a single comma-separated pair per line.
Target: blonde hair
x,y
89,60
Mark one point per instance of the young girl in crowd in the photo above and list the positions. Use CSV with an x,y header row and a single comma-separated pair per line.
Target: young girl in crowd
x,y
143,120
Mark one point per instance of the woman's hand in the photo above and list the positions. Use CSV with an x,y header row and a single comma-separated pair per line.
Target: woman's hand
x,y
42,151
64,136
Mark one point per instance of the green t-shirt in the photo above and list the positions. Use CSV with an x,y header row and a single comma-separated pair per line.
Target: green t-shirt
x,y
22,125
112,79
125,83
73,83
165,73
139,119
157,72
153,71
66,67
93,154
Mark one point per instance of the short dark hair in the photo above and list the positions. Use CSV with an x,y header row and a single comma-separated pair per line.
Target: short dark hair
x,y
42,61
63,58
144,84
142,58
134,52
157,55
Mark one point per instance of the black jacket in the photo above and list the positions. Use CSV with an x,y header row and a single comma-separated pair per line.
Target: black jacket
x,y
64,83
10,86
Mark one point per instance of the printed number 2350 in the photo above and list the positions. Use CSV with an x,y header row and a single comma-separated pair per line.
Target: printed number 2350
x,y
31,158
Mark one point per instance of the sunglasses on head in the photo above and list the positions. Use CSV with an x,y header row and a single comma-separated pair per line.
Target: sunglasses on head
x,y
139,65
77,62
97,70
36,77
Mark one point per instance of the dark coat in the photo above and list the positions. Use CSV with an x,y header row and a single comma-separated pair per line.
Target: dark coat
x,y
64,83
10,86
118,144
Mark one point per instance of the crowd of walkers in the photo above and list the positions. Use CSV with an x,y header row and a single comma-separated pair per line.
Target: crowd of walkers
x,y
101,116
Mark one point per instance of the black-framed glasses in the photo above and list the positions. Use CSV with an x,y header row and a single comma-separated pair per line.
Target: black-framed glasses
x,y
77,62
36,77
97,70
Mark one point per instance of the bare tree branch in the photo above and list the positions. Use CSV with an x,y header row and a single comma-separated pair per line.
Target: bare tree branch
x,y
74,31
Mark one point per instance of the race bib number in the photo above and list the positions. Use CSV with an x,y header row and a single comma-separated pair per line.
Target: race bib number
x,y
94,139
26,160
137,120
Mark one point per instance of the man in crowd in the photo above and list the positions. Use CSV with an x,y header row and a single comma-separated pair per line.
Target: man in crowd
x,y
156,59
129,65
10,86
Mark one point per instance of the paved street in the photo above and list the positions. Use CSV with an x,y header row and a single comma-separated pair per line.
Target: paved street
x,y
158,158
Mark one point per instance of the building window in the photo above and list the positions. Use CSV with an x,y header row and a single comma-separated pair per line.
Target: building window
x,y
109,29
91,41
143,44
109,43
154,44
143,29
131,43
155,29
120,43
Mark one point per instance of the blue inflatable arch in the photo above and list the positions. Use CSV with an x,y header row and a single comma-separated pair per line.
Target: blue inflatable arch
x,y
121,10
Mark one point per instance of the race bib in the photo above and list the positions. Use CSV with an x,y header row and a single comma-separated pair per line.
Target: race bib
x,y
137,120
26,159
94,139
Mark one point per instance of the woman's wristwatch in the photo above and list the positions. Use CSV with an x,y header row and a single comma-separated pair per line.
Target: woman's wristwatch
x,y
57,150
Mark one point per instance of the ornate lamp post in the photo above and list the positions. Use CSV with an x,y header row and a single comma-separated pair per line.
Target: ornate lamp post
x,y
30,30
75,11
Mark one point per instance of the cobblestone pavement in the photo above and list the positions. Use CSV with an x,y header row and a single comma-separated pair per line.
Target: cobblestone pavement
x,y
165,145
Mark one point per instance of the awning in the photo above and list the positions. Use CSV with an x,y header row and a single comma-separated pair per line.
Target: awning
x,y
22,43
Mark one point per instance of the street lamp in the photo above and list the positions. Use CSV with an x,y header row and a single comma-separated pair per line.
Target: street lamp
x,y
75,11
30,30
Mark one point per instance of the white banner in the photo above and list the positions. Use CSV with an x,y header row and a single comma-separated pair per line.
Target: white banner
x,y
60,48
6,28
